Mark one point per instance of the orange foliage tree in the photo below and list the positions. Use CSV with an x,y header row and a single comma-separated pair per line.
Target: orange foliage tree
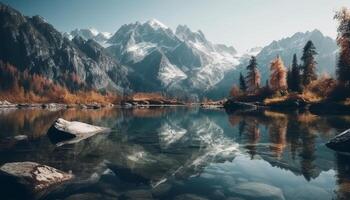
x,y
278,76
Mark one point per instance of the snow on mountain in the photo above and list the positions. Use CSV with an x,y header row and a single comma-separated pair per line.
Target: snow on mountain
x,y
326,48
156,24
187,59
90,33
183,60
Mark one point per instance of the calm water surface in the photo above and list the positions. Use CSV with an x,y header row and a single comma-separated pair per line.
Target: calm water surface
x,y
186,153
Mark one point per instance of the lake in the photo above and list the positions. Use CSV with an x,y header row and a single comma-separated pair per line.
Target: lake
x,y
186,153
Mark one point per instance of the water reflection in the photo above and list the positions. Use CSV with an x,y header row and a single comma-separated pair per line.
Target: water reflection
x,y
167,152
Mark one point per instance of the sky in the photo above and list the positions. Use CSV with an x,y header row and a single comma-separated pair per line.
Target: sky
x,y
244,24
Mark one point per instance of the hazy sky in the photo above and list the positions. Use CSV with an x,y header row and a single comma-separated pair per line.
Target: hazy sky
x,y
241,23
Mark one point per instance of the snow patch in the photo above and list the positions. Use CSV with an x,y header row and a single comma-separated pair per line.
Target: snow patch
x,y
156,24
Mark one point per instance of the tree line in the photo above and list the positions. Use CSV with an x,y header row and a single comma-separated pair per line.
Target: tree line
x,y
299,76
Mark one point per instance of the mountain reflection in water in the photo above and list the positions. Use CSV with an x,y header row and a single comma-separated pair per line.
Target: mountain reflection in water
x,y
184,153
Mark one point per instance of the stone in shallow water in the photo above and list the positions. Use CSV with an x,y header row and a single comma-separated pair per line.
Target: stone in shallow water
x,y
189,197
257,190
89,196
310,192
32,176
137,195
70,132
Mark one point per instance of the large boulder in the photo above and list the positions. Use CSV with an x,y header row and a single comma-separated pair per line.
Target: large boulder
x,y
29,178
69,132
340,142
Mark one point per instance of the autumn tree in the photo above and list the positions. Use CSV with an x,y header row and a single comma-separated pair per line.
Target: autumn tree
x,y
309,63
294,79
253,76
235,91
343,40
278,76
242,84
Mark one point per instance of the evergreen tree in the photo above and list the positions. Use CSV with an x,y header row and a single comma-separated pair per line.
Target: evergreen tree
x,y
309,63
267,85
253,76
242,84
278,77
289,79
295,79
343,40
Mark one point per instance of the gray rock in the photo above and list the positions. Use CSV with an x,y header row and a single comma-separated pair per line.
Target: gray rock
x,y
257,190
138,195
66,132
89,196
20,137
189,197
340,142
33,176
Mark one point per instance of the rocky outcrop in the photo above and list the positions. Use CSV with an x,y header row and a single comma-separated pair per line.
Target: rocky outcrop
x,y
26,178
34,45
340,142
66,132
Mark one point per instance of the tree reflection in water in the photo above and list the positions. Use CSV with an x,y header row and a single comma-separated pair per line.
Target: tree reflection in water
x,y
154,147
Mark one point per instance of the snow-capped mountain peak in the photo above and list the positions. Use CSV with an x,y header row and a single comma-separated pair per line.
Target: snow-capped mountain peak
x,y
90,33
154,23
93,31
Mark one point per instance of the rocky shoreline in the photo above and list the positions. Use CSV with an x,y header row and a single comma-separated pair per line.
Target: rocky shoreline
x,y
94,105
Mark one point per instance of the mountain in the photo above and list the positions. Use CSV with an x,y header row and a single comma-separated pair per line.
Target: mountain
x,y
90,33
325,46
32,44
184,61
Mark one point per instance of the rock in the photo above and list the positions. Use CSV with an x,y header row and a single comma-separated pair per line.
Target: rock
x,y
89,196
31,176
340,142
6,104
66,132
310,192
255,190
189,197
54,106
20,137
137,195
232,105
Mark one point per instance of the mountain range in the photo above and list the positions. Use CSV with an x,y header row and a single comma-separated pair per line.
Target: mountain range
x,y
143,57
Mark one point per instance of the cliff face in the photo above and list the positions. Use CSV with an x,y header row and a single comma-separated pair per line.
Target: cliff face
x,y
32,44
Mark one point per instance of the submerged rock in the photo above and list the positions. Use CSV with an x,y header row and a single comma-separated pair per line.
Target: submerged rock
x,y
137,194
30,177
257,190
340,142
189,197
69,132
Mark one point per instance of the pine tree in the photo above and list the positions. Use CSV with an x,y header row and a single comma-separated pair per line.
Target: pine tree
x,y
294,79
289,79
242,84
309,63
253,76
343,40
278,77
